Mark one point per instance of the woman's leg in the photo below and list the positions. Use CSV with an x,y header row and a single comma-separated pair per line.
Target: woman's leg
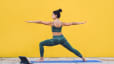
x,y
66,44
70,48
48,42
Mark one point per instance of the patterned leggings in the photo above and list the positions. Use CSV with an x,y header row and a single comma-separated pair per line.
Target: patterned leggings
x,y
55,41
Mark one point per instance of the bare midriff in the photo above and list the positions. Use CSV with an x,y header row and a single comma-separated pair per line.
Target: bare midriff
x,y
56,33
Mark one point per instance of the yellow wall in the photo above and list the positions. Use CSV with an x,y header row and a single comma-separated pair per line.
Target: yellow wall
x,y
94,39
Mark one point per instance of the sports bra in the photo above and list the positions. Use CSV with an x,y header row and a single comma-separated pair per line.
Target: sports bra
x,y
56,29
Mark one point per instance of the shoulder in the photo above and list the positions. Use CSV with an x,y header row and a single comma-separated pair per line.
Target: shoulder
x,y
51,23
62,23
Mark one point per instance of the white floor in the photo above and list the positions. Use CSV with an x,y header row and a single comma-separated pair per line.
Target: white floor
x,y
105,60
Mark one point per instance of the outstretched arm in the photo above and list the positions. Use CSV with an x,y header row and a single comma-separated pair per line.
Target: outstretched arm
x,y
73,23
40,22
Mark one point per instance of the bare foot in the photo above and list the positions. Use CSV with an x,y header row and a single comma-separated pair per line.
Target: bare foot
x,y
41,59
84,59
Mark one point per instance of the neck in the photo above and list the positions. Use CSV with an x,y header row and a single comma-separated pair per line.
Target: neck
x,y
56,19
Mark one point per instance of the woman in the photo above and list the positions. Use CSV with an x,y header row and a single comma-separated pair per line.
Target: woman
x,y
58,37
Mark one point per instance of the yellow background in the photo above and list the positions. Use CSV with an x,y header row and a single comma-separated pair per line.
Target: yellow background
x,y
93,39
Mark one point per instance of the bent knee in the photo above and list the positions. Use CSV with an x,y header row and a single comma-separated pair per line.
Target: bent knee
x,y
41,43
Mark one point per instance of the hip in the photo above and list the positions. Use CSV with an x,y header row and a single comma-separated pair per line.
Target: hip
x,y
57,33
59,37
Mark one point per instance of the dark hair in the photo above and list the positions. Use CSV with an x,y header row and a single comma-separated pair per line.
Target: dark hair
x,y
57,12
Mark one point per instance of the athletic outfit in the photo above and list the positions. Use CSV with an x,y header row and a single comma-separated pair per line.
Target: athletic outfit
x,y
58,39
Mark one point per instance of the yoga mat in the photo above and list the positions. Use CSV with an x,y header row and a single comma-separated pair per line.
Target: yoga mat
x,y
66,61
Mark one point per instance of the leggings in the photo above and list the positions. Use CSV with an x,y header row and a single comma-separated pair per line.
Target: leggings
x,y
55,41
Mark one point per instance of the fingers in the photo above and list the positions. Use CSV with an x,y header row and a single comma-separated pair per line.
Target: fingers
x,y
85,21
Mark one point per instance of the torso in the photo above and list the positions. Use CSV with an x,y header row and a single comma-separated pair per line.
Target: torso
x,y
58,25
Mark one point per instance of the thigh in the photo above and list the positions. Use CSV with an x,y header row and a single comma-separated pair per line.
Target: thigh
x,y
49,42
66,44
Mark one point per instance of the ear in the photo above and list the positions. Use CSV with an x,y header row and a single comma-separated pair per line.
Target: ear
x,y
56,15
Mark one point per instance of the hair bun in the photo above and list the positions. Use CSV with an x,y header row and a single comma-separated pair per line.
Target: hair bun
x,y
60,10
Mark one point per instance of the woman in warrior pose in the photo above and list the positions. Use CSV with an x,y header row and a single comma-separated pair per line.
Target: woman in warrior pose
x,y
58,37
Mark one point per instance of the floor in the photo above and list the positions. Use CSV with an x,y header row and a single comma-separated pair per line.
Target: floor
x,y
105,60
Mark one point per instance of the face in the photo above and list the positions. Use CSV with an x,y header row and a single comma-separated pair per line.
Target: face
x,y
54,16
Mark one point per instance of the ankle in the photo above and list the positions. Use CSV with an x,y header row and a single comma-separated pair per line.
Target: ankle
x,y
41,57
82,57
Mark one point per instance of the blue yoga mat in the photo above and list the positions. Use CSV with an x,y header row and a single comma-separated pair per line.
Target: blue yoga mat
x,y
65,61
